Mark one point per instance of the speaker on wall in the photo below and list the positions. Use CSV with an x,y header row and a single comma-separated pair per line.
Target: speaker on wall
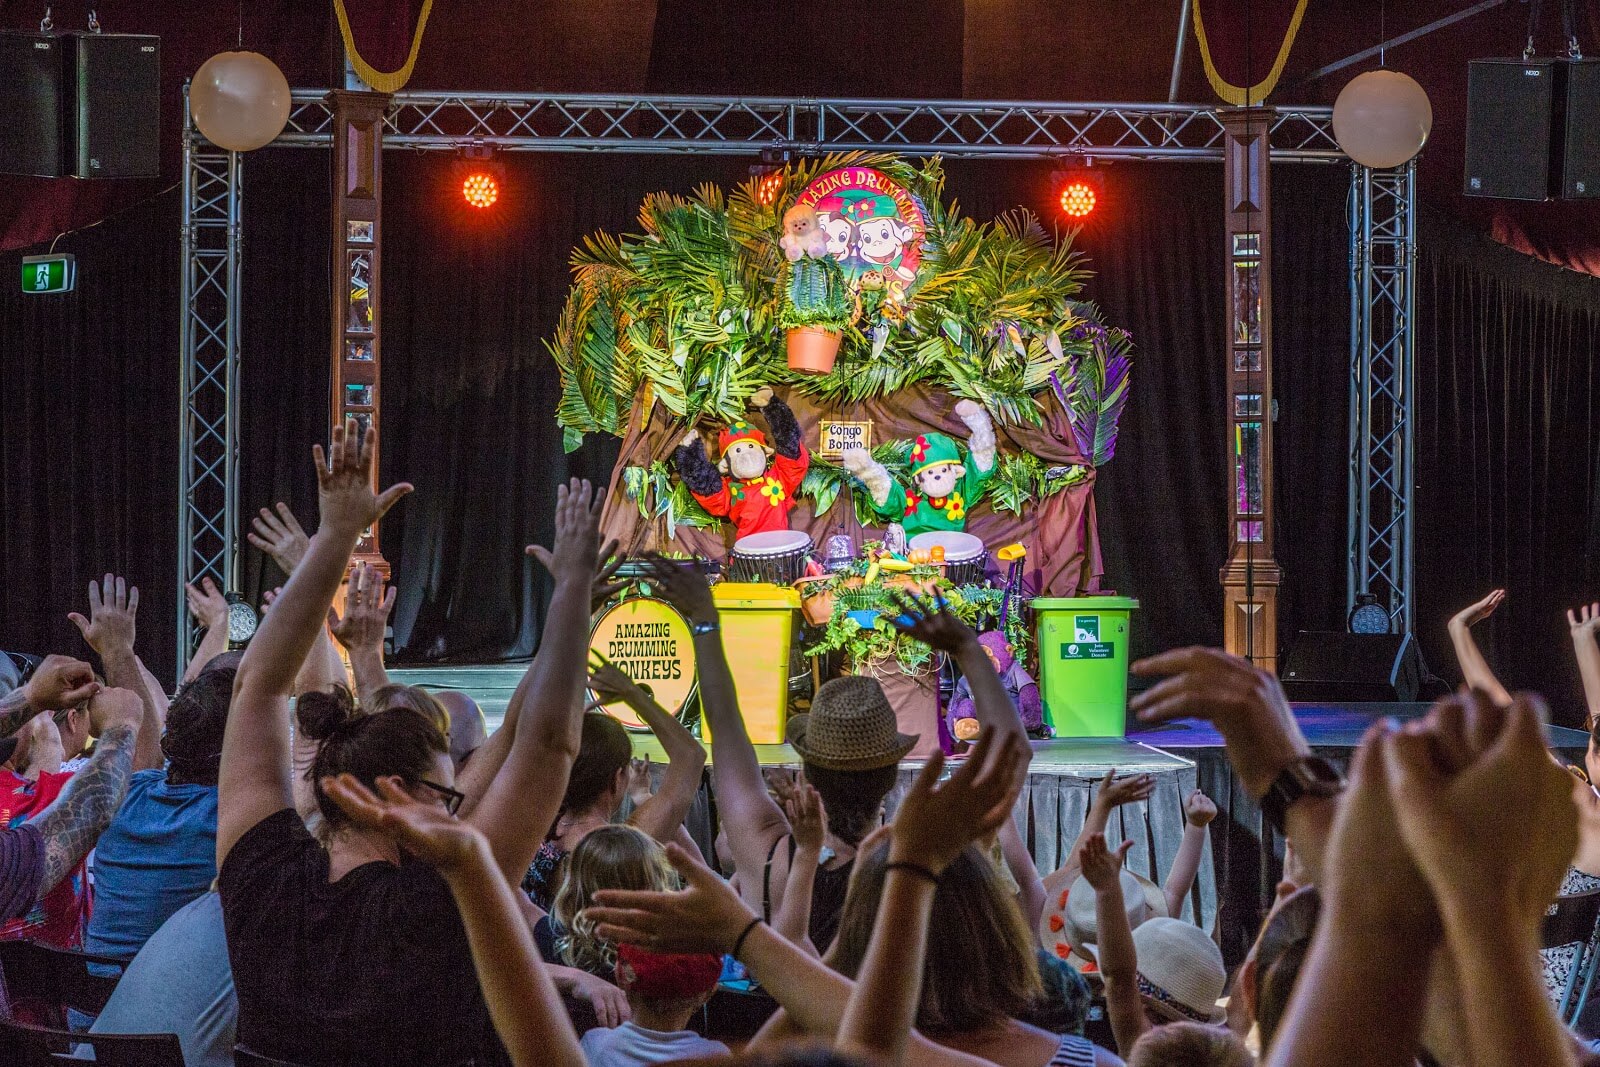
x,y
1511,107
1346,667
1580,157
116,113
34,91
80,104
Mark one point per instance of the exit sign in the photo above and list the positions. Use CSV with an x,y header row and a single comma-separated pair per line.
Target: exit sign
x,y
49,274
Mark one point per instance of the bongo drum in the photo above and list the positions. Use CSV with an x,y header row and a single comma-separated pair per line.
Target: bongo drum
x,y
777,556
964,555
651,643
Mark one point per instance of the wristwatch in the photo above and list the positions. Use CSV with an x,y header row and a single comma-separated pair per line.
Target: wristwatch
x,y
1308,776
700,629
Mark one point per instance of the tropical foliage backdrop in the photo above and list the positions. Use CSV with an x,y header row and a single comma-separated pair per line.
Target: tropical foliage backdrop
x,y
687,314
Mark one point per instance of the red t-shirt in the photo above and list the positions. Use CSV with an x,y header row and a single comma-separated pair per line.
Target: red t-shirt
x,y
62,916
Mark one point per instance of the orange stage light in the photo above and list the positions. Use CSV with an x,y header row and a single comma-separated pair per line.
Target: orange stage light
x,y
480,190
767,186
1077,199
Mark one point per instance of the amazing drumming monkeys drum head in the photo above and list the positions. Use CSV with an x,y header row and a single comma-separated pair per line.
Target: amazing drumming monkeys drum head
x,y
649,641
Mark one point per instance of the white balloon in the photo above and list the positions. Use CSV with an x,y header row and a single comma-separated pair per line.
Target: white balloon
x,y
239,100
1382,118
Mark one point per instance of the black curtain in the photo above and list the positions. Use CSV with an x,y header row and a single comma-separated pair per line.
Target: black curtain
x,y
1508,424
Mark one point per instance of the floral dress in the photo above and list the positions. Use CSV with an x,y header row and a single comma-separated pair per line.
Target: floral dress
x,y
1556,963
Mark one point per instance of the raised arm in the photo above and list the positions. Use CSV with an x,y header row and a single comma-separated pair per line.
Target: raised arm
x,y
1198,811
661,814
281,537
523,1002
1474,668
754,821
366,615
58,683
521,802
1584,623
1112,794
74,820
932,623
210,609
255,771
808,819
1118,960
109,630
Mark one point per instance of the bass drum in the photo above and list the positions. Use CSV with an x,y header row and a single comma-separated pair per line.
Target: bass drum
x,y
650,642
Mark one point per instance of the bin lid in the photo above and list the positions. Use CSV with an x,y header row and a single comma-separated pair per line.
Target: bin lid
x,y
1084,603
755,595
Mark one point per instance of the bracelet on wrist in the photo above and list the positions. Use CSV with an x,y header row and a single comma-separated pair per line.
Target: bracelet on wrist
x,y
738,942
912,868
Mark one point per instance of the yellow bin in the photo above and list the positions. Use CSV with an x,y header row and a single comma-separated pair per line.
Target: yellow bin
x,y
757,633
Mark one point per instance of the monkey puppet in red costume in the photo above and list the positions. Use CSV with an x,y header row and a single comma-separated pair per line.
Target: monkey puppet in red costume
x,y
753,485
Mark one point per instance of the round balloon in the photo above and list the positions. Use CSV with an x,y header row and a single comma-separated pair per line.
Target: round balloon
x,y
1382,118
240,100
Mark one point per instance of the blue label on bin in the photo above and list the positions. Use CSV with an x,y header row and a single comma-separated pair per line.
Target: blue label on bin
x,y
1087,650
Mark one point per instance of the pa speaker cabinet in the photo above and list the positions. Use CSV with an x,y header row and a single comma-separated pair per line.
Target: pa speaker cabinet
x,y
1580,156
1513,127
1354,668
33,94
115,112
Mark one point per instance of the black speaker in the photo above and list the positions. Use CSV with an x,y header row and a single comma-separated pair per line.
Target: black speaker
x,y
116,105
1580,157
1345,667
33,94
1511,116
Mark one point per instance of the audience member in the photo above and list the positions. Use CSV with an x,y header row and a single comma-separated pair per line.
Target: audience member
x,y
1187,1044
347,954
160,851
664,991
610,857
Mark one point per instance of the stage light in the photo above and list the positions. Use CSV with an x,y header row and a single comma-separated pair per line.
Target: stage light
x,y
1078,191
769,174
480,189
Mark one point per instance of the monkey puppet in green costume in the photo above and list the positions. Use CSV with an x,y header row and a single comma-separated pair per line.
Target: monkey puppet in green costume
x,y
944,486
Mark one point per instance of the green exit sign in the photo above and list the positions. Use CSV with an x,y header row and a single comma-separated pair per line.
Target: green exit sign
x,y
49,274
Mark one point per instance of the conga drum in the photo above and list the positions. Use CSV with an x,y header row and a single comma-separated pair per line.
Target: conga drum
x,y
650,642
777,557
964,555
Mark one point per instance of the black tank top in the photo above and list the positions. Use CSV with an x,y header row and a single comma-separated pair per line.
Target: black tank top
x,y
828,891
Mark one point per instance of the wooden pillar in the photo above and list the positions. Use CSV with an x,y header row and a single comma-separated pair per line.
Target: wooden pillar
x,y
357,246
1250,577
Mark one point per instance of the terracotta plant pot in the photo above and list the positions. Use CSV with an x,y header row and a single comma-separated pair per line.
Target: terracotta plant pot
x,y
812,349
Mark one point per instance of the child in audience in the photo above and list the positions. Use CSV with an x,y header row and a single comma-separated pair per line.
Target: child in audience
x,y
609,857
664,991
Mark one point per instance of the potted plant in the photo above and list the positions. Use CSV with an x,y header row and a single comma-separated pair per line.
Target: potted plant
x,y
816,298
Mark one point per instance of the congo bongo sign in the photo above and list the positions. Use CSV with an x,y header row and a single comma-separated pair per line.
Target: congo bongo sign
x,y
873,223
650,642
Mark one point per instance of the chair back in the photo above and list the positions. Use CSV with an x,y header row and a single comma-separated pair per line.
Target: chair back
x,y
243,1057
42,983
1570,923
25,1045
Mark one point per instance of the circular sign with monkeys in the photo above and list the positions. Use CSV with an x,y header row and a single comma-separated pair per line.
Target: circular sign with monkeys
x,y
873,224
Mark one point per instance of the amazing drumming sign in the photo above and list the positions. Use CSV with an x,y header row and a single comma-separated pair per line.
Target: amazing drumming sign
x,y
650,643
873,223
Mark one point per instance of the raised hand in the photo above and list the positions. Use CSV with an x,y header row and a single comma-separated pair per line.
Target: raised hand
x,y
577,547
1245,704
780,783
932,623
60,682
808,819
279,536
1475,613
608,681
705,916
1102,865
1115,792
685,588
639,788
423,828
1199,809
112,607
1586,619
604,588
936,821
345,497
207,604
367,604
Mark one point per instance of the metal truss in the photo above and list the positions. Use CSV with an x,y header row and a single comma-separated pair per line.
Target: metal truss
x,y
745,125
208,492
1383,248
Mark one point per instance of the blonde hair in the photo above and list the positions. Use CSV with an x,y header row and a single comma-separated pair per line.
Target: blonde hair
x,y
611,857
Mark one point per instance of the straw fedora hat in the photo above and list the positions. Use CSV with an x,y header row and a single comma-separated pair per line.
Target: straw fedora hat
x,y
1070,920
1181,975
851,727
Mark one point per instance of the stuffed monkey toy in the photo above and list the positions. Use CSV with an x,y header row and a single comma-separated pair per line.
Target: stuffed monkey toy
x,y
754,483
944,486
